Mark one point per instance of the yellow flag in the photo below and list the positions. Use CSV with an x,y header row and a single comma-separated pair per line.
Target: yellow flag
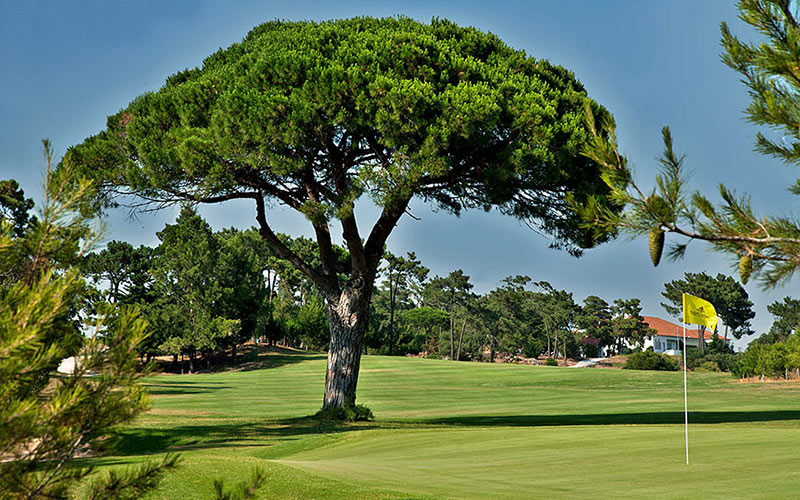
x,y
699,312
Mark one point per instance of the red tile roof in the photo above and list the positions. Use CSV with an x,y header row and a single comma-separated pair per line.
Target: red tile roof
x,y
668,329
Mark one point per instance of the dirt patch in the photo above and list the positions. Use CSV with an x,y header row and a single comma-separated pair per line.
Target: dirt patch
x,y
767,380
249,356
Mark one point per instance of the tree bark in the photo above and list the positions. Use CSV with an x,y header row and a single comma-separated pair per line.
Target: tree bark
x,y
392,293
555,345
460,338
547,332
347,317
452,326
701,340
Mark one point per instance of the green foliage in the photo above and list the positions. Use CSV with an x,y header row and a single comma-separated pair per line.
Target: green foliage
x,y
314,116
241,259
649,360
402,287
131,483
728,297
764,246
550,362
47,422
779,359
124,269
309,325
594,319
424,323
708,366
242,491
452,295
346,413
14,207
786,320
723,358
448,113
557,311
189,289
627,324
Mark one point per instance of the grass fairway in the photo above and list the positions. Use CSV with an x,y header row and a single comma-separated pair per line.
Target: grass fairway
x,y
472,430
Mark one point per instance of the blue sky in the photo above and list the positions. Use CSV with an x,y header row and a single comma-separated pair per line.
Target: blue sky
x,y
66,65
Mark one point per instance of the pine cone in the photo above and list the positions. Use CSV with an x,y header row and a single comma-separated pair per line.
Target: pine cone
x,y
656,238
745,267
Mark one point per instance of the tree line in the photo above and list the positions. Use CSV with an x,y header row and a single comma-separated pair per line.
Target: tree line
x,y
775,354
205,292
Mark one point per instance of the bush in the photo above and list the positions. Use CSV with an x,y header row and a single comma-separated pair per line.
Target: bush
x,y
355,413
708,366
648,360
724,359
550,362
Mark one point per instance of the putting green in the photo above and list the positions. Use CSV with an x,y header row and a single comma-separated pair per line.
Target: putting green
x,y
471,430
568,462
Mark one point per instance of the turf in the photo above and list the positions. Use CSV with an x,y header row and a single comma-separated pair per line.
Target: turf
x,y
470,430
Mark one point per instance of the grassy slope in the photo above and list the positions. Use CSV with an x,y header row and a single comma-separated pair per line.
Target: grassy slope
x,y
469,430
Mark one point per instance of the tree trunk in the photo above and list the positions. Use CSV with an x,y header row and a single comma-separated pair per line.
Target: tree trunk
x,y
347,317
452,326
555,345
549,348
701,340
460,338
392,293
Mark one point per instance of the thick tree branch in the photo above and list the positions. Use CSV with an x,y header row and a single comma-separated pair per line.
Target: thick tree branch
x,y
347,216
373,249
321,229
328,284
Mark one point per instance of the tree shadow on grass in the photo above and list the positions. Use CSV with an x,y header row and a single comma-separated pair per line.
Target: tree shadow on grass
x,y
148,440
642,418
249,358
188,386
277,360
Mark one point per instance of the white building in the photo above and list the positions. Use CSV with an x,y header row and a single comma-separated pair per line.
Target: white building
x,y
669,336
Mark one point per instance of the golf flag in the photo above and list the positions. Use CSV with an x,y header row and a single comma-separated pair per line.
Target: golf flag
x,y
699,312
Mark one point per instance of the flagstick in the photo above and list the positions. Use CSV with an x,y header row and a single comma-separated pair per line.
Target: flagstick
x,y
685,400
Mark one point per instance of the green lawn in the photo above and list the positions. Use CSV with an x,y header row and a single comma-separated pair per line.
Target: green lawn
x,y
472,430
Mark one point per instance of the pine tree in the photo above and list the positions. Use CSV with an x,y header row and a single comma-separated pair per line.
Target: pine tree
x,y
48,421
764,246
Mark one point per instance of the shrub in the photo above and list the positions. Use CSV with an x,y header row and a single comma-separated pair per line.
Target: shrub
x,y
355,413
648,360
708,366
550,362
725,361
